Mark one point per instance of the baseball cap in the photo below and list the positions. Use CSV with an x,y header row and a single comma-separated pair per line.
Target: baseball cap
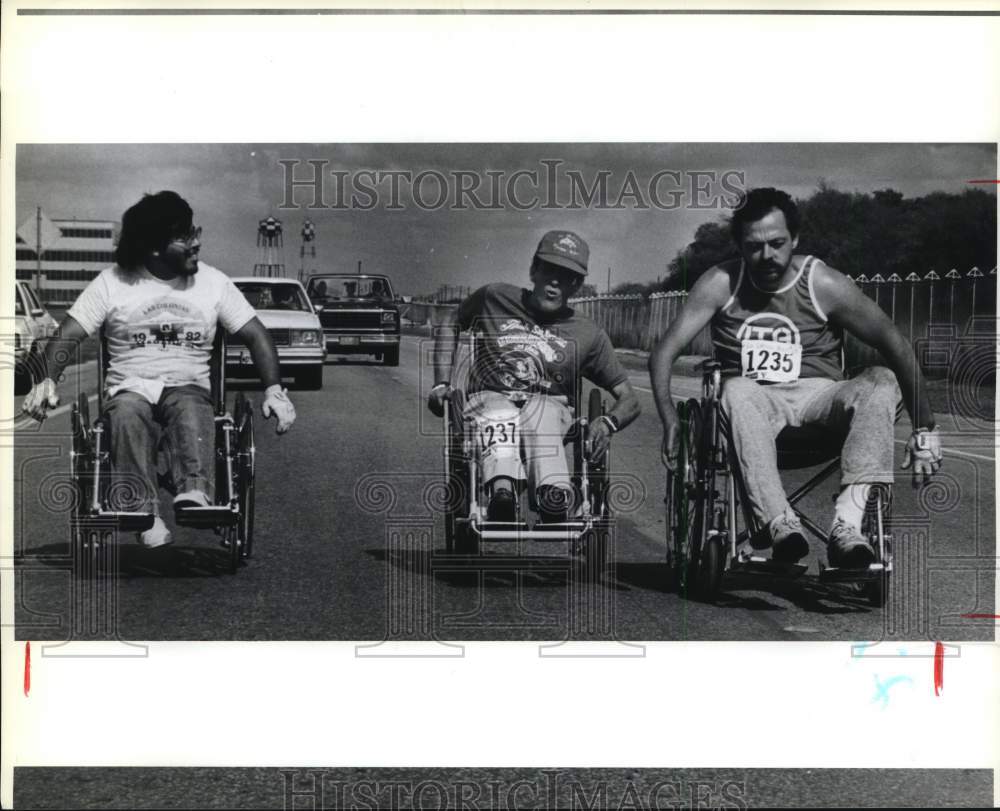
x,y
566,249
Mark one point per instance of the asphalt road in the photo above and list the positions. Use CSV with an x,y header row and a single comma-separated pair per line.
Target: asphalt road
x,y
347,545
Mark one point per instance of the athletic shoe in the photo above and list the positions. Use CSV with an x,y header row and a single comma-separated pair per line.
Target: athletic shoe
x,y
156,535
503,505
788,542
554,504
847,548
192,498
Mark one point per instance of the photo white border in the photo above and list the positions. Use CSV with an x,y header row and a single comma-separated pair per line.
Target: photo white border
x,y
458,78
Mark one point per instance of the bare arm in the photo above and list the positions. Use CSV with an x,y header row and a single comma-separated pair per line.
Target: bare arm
x,y
445,343
63,347
60,350
265,357
624,411
846,306
707,297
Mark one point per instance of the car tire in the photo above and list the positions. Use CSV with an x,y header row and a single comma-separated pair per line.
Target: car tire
x,y
310,378
392,356
22,380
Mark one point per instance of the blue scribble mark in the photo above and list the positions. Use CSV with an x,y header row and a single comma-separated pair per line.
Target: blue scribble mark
x,y
858,649
901,651
882,688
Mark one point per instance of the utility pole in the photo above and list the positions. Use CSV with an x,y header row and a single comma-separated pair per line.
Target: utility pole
x,y
359,267
609,281
38,252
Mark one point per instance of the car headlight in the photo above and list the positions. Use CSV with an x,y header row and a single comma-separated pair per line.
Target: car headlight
x,y
388,318
304,337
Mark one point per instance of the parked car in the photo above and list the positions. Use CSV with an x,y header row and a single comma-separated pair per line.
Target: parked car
x,y
285,310
32,324
359,314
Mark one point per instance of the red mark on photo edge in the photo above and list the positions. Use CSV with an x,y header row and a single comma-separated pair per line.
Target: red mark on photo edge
x,y
982,181
27,668
981,616
938,668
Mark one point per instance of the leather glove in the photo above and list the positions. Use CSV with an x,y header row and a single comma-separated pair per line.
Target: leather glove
x,y
41,398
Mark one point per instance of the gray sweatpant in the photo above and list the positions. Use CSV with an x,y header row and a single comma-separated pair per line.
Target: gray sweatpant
x,y
864,405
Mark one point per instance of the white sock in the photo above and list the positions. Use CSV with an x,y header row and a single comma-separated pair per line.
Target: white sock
x,y
850,507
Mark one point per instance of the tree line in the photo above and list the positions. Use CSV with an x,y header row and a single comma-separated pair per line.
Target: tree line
x,y
881,232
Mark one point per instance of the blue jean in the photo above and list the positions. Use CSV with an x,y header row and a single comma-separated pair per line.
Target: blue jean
x,y
185,420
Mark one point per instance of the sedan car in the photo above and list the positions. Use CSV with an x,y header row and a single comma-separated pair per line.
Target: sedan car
x,y
283,308
32,324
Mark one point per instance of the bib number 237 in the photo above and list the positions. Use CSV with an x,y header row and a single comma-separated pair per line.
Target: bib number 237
x,y
771,361
494,434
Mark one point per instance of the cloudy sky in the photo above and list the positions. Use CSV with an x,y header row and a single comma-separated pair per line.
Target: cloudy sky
x,y
422,244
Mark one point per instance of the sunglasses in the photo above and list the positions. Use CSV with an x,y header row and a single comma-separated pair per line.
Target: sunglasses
x,y
191,236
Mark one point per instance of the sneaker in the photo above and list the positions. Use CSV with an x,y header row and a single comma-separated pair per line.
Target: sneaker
x,y
191,498
503,505
788,542
156,535
847,548
553,504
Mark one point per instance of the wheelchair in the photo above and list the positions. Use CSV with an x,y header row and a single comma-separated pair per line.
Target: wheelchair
x,y
232,514
706,498
467,529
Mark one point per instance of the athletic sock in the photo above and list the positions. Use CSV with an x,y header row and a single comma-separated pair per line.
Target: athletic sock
x,y
850,507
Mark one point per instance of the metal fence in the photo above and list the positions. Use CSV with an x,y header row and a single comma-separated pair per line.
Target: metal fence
x,y
950,319
930,310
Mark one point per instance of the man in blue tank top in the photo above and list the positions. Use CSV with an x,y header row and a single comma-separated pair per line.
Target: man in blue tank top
x,y
777,320
524,384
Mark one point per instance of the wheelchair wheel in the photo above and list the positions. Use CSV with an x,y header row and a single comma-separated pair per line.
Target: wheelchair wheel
x,y
598,471
459,539
876,522
86,543
245,467
685,514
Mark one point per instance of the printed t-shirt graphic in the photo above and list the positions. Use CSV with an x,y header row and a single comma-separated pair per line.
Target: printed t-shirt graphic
x,y
160,329
776,337
523,353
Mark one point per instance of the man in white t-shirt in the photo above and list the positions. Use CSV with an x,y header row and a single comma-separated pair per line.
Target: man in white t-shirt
x,y
160,307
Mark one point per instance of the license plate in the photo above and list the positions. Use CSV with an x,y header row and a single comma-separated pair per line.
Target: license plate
x,y
349,340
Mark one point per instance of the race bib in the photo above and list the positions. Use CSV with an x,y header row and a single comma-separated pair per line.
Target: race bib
x,y
499,437
771,361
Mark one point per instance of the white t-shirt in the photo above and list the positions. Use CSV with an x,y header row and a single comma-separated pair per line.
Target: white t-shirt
x,y
159,332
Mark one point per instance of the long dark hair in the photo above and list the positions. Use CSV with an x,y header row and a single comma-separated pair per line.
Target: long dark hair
x,y
149,226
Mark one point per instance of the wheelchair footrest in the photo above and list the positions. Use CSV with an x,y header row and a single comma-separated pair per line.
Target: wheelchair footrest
x,y
830,574
501,531
124,521
755,564
218,516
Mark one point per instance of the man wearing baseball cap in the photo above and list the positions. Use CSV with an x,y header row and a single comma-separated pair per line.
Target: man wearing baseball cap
x,y
524,385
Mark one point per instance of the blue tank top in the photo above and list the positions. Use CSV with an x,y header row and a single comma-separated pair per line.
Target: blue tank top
x,y
769,336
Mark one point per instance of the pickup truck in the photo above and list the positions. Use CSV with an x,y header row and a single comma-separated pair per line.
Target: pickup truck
x,y
359,314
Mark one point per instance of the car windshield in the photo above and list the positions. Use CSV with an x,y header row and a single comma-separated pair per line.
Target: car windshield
x,y
331,289
274,296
